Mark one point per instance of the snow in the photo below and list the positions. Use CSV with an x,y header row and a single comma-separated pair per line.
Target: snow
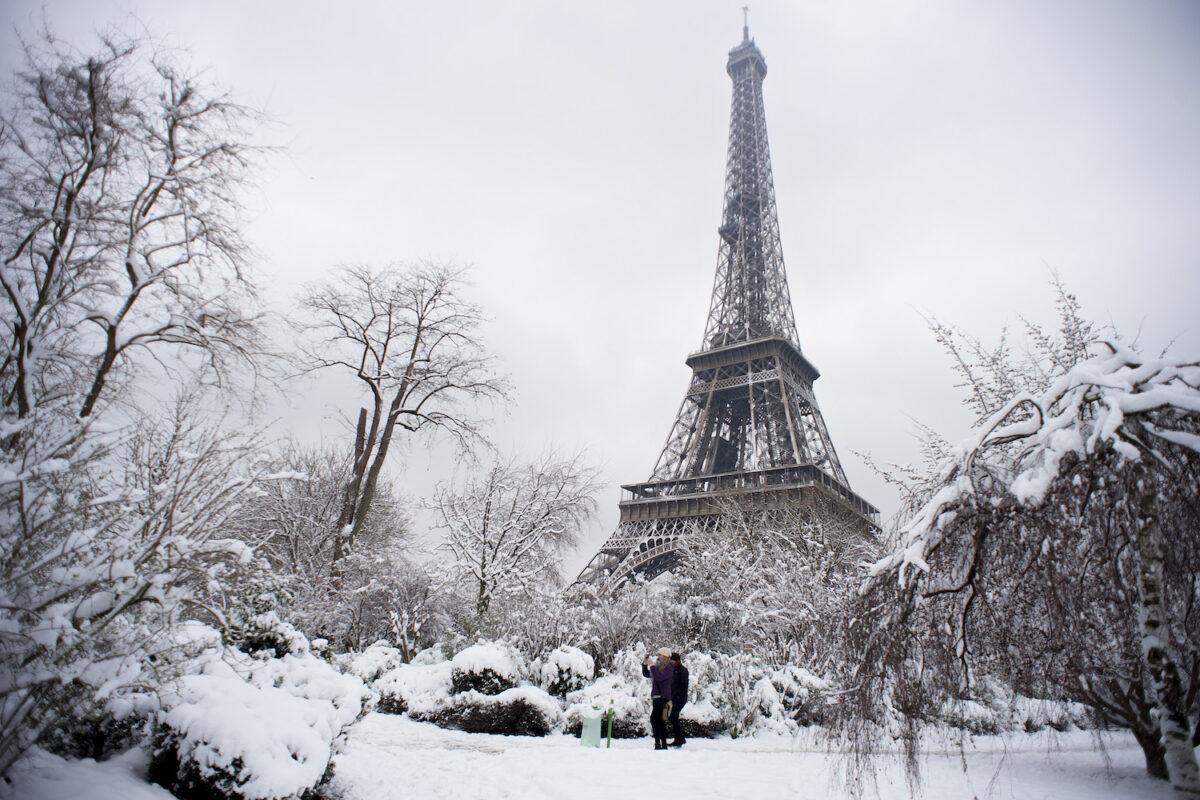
x,y
373,662
1083,409
570,660
271,725
565,669
421,688
487,656
390,756
546,705
43,776
627,701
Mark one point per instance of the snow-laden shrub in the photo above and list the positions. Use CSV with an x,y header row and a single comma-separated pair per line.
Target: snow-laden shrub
x,y
1000,712
974,717
322,648
772,715
87,729
565,669
630,703
628,664
435,654
1032,715
248,728
701,719
419,690
266,633
724,695
802,694
373,662
521,711
487,668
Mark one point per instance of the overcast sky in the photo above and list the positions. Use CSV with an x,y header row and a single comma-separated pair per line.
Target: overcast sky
x,y
930,158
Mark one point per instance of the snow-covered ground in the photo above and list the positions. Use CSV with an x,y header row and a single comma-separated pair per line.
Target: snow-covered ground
x,y
394,757
391,757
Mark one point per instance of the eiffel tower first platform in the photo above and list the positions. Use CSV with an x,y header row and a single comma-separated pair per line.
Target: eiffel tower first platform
x,y
749,429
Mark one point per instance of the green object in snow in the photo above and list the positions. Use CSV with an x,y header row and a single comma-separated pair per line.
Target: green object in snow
x,y
610,722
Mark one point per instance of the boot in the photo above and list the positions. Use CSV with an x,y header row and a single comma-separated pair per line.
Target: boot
x,y
679,743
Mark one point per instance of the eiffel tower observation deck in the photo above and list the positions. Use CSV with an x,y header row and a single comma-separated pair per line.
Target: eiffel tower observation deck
x,y
749,430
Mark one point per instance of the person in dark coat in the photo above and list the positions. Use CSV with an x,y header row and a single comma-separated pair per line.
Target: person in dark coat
x,y
660,674
679,697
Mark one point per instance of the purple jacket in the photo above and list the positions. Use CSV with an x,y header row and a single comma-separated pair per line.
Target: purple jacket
x,y
660,679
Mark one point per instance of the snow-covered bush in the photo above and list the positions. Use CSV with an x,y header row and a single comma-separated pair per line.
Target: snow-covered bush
x,y
487,668
974,717
521,711
630,703
254,728
1002,712
727,684
565,669
419,690
267,634
702,720
802,695
434,654
369,665
1033,715
86,729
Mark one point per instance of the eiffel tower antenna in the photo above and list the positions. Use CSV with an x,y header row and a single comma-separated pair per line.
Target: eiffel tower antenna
x,y
749,429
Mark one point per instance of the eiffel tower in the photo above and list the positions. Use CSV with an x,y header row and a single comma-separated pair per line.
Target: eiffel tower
x,y
749,428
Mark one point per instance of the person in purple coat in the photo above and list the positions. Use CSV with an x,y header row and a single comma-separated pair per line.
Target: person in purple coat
x,y
660,672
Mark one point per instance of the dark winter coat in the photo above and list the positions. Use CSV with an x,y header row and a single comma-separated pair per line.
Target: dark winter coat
x,y
679,686
660,679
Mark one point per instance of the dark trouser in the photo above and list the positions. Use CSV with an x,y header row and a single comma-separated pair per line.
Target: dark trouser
x,y
676,725
658,725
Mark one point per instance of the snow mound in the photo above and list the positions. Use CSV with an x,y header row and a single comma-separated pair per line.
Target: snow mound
x,y
486,667
267,633
373,662
566,669
521,711
416,689
254,729
42,776
434,654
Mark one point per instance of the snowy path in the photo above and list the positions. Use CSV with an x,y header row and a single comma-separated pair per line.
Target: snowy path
x,y
393,757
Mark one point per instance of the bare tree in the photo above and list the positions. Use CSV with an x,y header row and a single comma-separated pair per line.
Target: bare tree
x,y
291,524
119,247
119,234
506,529
412,342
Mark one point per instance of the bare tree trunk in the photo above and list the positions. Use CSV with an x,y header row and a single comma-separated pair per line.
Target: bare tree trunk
x,y
1152,748
1174,723
341,537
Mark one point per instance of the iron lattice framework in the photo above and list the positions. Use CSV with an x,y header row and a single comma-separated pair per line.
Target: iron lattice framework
x,y
749,428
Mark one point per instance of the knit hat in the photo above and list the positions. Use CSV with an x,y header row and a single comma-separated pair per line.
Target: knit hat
x,y
665,652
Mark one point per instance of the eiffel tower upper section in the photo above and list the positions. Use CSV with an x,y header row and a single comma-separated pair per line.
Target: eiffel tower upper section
x,y
749,427
750,294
